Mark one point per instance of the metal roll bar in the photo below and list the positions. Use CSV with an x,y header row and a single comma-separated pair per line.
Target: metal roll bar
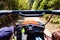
x,y
30,12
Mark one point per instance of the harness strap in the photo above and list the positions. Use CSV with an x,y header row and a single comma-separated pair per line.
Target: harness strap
x,y
12,19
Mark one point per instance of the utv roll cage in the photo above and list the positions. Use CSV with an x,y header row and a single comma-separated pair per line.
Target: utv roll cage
x,y
30,13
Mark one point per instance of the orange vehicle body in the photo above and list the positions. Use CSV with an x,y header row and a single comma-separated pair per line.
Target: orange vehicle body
x,y
30,21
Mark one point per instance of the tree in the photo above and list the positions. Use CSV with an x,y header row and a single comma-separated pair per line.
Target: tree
x,y
29,4
43,5
24,4
49,5
35,4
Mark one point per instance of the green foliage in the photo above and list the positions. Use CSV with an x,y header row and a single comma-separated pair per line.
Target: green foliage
x,y
35,4
29,4
55,20
49,5
24,4
3,5
53,4
43,5
46,16
9,5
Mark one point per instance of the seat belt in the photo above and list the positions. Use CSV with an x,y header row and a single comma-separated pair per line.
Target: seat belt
x,y
12,19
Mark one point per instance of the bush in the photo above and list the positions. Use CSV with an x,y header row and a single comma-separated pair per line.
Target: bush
x,y
46,16
54,21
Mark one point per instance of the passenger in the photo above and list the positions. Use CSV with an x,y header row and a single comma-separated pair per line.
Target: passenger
x,y
6,33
